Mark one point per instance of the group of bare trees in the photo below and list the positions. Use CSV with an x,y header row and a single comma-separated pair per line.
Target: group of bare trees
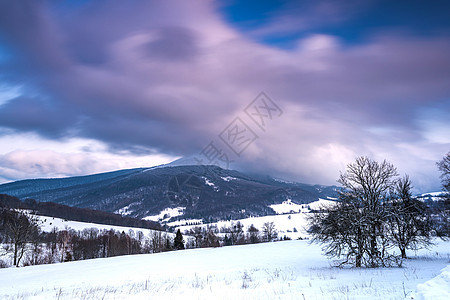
x,y
23,240
25,244
17,230
376,218
444,211
235,234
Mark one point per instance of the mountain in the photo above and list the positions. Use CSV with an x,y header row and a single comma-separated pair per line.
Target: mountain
x,y
433,196
202,192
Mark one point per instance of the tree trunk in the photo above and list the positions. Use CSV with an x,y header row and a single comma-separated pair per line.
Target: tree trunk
x,y
403,251
16,248
358,261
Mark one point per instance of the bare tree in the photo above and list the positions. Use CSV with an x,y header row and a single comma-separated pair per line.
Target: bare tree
x,y
269,231
209,238
35,243
237,233
444,167
355,227
20,228
443,217
157,241
197,233
64,237
409,224
253,233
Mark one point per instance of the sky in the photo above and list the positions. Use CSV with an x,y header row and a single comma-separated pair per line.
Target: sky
x,y
293,89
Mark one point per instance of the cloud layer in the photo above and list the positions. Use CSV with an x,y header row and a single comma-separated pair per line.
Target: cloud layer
x,y
166,77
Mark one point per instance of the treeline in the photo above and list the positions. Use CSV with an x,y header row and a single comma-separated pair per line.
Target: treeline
x,y
23,242
55,210
236,234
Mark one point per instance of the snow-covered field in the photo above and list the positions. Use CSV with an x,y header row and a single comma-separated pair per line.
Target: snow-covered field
x,y
291,225
290,221
280,270
290,207
48,223
166,214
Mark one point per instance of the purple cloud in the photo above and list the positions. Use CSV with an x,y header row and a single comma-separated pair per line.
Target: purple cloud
x,y
153,77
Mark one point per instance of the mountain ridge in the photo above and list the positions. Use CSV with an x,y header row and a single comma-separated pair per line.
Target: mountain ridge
x,y
205,192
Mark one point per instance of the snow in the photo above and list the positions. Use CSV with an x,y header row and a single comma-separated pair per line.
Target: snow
x,y
290,207
436,288
210,183
48,223
280,270
290,217
185,222
282,180
321,203
285,224
124,211
433,196
166,214
228,178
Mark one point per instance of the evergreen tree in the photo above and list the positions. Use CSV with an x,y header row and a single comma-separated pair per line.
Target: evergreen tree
x,y
178,242
227,240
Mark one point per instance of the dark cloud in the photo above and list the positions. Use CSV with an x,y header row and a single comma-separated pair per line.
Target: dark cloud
x,y
28,30
30,114
173,43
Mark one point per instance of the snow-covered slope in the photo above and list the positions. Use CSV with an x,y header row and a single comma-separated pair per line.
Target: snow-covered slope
x,y
166,214
432,196
290,207
290,221
291,225
436,288
281,270
48,223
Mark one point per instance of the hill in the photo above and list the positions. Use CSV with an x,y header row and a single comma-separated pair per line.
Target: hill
x,y
209,193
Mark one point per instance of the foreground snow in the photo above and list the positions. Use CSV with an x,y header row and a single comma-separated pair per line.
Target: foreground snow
x,y
436,288
281,270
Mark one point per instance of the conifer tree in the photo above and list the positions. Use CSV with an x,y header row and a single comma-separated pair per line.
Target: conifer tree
x,y
178,242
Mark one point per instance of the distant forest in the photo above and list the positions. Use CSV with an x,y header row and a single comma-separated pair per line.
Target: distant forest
x,y
52,209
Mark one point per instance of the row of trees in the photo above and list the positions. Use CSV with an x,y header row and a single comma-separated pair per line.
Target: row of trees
x,y
26,244
76,213
235,234
23,243
375,215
